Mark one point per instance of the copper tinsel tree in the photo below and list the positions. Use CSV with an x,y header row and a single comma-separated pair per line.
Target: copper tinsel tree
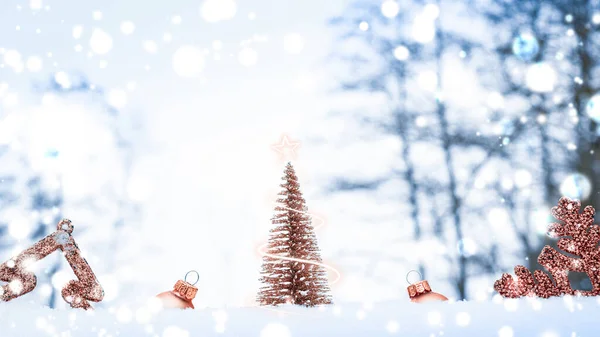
x,y
286,280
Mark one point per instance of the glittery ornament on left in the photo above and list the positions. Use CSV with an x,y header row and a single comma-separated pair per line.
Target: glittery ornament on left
x,y
22,281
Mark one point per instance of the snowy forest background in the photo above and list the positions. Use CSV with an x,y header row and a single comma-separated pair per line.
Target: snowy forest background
x,y
436,135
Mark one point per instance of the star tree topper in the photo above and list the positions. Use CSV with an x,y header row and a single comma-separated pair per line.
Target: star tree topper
x,y
286,148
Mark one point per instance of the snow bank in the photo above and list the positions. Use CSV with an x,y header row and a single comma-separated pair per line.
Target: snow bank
x,y
559,317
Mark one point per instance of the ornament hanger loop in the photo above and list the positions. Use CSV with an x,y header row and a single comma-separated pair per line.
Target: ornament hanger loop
x,y
413,271
65,225
197,277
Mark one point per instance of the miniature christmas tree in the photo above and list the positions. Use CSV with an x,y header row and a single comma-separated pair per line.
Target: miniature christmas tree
x,y
579,236
292,269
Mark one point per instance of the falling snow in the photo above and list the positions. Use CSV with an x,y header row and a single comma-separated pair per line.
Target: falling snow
x,y
117,98
127,27
150,46
34,64
248,57
218,10
13,59
401,53
541,77
188,61
100,41
390,8
77,31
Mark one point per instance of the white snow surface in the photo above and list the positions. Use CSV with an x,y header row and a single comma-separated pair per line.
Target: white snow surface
x,y
568,317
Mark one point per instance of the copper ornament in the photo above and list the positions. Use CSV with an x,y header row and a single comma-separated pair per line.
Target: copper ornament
x,y
21,280
578,236
182,294
420,291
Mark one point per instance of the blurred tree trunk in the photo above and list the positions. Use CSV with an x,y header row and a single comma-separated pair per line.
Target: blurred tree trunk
x,y
588,158
446,142
404,123
45,202
391,81
550,190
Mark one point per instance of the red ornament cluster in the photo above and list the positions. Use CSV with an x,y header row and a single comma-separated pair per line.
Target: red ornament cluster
x,y
579,236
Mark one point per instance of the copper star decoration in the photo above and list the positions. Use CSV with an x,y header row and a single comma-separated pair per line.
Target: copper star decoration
x,y
286,148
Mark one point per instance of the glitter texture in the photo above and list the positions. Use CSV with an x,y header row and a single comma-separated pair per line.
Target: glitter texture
x,y
180,297
579,236
420,292
418,289
185,290
76,293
